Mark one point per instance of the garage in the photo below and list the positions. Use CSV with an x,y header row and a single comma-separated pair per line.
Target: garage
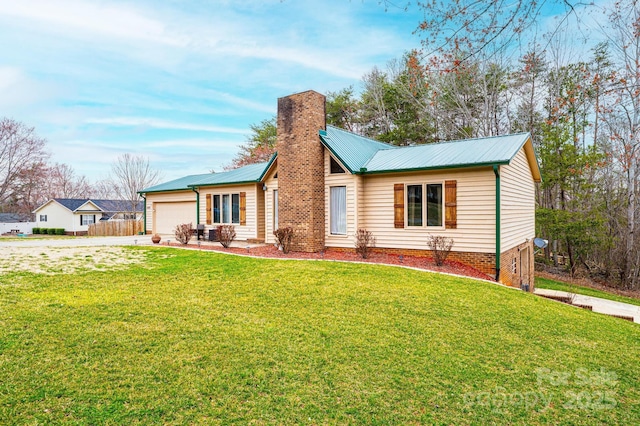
x,y
166,216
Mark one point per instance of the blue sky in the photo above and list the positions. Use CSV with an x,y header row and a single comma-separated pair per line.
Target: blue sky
x,y
179,81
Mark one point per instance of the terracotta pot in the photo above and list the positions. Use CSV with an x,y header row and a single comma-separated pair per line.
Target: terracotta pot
x,y
155,238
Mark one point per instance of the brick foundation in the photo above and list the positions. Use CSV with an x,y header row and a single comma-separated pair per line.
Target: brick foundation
x,y
517,267
483,262
301,169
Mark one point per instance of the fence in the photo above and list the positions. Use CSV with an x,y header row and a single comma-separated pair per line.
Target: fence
x,y
20,227
116,228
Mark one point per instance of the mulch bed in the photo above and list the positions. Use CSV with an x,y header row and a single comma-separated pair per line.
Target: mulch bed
x,y
419,262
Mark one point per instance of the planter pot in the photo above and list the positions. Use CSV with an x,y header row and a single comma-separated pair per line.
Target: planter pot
x,y
155,239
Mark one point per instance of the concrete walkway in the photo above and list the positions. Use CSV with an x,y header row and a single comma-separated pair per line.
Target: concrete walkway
x,y
603,306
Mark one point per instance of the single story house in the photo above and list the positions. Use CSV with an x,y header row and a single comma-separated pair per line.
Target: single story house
x,y
75,215
326,183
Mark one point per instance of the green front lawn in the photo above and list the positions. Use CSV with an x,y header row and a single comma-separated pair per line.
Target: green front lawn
x,y
587,291
199,337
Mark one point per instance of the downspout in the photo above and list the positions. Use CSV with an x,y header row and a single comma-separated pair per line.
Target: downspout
x,y
144,213
197,206
496,171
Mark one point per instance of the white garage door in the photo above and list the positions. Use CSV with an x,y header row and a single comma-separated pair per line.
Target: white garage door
x,y
169,215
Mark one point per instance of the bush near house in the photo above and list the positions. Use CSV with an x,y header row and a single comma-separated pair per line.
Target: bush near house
x,y
59,231
284,237
365,241
441,247
35,231
226,235
183,232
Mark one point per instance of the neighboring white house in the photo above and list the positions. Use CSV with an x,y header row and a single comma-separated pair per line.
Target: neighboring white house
x,y
75,215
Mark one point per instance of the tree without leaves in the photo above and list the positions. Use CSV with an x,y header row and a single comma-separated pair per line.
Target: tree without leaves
x,y
621,119
130,174
20,150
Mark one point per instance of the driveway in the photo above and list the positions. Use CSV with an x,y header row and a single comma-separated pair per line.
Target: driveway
x,y
78,241
603,306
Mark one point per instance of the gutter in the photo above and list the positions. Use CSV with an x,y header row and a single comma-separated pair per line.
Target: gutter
x,y
496,171
197,205
144,211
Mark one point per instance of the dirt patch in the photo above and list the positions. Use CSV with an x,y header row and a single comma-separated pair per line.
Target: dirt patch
x,y
67,260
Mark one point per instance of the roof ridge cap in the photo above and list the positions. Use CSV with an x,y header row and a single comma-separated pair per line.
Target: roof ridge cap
x,y
360,136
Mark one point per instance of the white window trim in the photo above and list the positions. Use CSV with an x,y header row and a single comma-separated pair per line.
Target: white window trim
x,y
222,194
346,211
82,221
424,205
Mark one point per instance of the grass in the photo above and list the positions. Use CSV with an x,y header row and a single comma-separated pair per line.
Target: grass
x,y
587,291
199,337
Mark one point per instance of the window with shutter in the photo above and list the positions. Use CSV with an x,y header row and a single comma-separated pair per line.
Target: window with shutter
x,y
243,208
208,209
398,205
451,204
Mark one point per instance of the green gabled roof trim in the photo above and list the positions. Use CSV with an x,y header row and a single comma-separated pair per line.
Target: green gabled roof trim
x,y
419,169
360,155
180,184
265,168
336,155
352,150
268,167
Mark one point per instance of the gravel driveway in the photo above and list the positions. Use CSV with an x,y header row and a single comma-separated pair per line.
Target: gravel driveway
x,y
78,241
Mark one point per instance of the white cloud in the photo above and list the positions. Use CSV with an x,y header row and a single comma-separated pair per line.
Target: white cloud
x,y
18,91
112,19
162,124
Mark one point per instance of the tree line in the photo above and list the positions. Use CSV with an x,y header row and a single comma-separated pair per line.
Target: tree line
x,y
583,116
28,178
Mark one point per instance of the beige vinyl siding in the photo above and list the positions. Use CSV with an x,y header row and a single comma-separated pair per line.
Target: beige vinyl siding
x,y
517,195
250,230
476,210
352,184
166,197
272,185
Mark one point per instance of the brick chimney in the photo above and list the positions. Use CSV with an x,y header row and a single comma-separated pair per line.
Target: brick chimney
x,y
301,168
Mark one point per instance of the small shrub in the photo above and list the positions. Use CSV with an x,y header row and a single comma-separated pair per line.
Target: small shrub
x,y
365,241
226,235
44,231
284,237
59,231
441,247
184,232
35,231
